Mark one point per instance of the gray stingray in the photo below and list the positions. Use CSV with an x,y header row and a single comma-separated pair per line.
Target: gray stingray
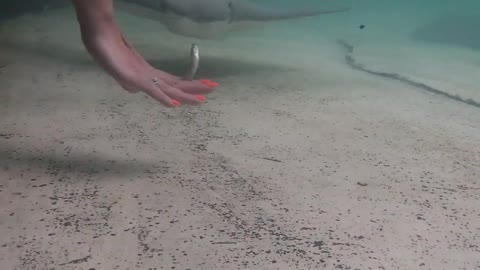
x,y
209,18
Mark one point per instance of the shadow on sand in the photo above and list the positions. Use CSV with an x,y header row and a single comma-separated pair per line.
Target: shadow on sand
x,y
75,164
216,67
210,66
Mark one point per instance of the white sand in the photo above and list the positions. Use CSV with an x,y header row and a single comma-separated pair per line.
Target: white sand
x,y
370,173
450,69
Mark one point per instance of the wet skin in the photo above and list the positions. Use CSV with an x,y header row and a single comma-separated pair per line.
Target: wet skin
x,y
106,43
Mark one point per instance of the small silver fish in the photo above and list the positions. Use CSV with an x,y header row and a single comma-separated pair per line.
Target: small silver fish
x,y
194,60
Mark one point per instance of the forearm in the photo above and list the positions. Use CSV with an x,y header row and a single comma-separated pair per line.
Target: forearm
x,y
103,38
96,18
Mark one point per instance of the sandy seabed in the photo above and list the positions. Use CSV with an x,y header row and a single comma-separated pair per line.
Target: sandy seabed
x,y
297,161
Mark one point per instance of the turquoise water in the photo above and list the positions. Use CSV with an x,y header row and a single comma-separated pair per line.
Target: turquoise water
x,y
430,45
422,42
441,21
343,141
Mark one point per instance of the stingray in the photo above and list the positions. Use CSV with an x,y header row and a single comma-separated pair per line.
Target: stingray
x,y
207,19
459,30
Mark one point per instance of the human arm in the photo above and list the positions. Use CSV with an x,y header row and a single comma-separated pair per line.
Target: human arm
x,y
105,41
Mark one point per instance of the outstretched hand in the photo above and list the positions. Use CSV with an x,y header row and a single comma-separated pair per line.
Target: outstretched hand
x,y
106,43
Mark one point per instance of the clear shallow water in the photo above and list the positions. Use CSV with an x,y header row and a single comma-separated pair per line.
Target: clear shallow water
x,y
314,153
431,45
440,22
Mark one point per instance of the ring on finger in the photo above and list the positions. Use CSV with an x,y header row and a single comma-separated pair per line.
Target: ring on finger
x,y
155,80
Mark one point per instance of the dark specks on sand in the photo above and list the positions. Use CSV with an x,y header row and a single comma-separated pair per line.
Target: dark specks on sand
x,y
318,244
77,261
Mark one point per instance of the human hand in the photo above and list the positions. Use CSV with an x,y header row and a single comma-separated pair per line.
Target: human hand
x,y
134,74
106,43
168,89
172,90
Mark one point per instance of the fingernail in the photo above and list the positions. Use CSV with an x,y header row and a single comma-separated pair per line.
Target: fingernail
x,y
213,84
200,98
209,83
175,103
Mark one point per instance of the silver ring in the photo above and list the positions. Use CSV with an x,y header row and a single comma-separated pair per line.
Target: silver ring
x,y
155,80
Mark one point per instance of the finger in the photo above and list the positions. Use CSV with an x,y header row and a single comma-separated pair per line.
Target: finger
x,y
156,92
179,95
192,87
196,87
166,77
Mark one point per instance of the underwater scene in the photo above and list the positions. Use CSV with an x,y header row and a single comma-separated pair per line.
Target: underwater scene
x,y
239,134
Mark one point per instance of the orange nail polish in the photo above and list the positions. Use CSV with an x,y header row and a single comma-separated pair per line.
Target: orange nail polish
x,y
175,103
200,98
206,82
209,83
